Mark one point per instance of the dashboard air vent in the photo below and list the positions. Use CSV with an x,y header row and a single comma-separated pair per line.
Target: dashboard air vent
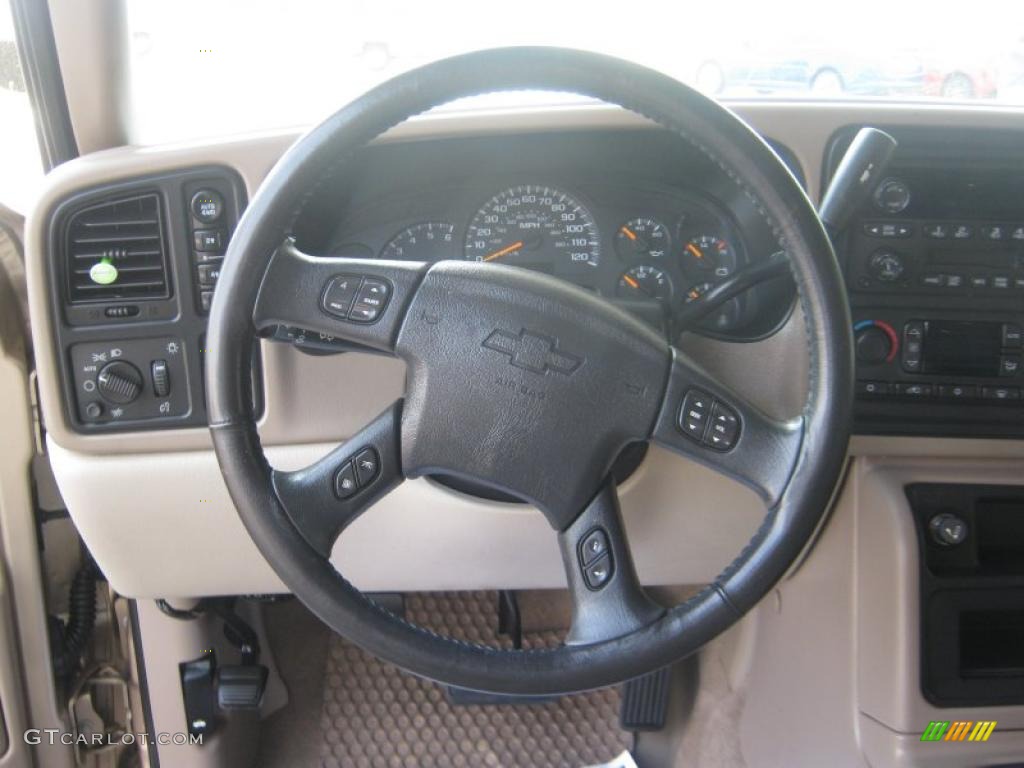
x,y
115,251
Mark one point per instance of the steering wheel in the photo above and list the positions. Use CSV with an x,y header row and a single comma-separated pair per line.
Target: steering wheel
x,y
526,384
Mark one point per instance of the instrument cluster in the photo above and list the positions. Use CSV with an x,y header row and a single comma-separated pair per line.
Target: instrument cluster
x,y
651,249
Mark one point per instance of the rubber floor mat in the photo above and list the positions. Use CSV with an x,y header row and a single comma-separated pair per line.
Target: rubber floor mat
x,y
376,715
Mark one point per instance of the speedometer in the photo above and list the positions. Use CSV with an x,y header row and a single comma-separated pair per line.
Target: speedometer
x,y
536,227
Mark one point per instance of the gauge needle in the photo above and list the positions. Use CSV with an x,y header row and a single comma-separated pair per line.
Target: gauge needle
x,y
504,251
694,250
628,232
635,285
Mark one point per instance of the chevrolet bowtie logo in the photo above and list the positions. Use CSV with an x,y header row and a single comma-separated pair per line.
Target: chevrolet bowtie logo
x,y
533,352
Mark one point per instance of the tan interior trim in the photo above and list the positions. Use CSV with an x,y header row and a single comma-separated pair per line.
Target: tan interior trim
x,y
26,673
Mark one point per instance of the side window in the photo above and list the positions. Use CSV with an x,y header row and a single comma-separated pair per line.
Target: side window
x,y
21,168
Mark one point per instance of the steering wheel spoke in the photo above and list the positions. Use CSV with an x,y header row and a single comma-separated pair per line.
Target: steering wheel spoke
x,y
324,498
359,300
705,420
608,601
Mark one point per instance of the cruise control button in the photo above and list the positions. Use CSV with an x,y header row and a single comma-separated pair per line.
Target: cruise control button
x,y
693,414
345,484
725,427
594,545
599,572
339,295
367,465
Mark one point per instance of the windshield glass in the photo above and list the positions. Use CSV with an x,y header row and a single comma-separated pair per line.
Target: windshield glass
x,y
209,67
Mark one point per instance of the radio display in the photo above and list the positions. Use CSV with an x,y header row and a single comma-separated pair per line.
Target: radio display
x,y
962,348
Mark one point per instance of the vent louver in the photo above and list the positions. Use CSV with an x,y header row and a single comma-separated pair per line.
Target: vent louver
x,y
115,251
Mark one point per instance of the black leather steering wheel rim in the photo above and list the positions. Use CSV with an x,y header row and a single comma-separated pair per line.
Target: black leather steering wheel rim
x,y
817,457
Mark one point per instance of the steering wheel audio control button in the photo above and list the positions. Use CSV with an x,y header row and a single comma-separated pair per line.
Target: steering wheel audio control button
x,y
725,427
599,572
371,300
339,294
594,545
345,485
694,413
367,466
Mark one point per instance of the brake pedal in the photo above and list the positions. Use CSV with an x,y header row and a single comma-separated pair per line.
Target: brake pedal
x,y
645,701
241,686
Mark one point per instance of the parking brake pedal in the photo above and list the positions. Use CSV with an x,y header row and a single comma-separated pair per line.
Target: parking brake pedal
x,y
645,701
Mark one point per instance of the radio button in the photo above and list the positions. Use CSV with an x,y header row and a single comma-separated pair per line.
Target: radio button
x,y
873,229
979,281
1000,393
958,391
937,231
1011,336
1001,282
933,280
954,281
1009,366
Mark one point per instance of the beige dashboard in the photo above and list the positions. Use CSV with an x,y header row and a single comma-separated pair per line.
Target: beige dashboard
x,y
153,509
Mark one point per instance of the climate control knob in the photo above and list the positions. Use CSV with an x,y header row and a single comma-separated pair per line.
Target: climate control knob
x,y
886,266
873,345
875,341
119,382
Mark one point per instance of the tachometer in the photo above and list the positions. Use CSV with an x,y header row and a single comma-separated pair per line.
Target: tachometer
x,y
534,226
428,241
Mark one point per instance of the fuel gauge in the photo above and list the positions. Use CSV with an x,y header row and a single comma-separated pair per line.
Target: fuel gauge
x,y
645,282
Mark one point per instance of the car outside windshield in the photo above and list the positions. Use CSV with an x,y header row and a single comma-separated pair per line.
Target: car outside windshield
x,y
212,67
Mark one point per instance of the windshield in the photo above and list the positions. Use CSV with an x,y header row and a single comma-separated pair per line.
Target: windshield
x,y
210,67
